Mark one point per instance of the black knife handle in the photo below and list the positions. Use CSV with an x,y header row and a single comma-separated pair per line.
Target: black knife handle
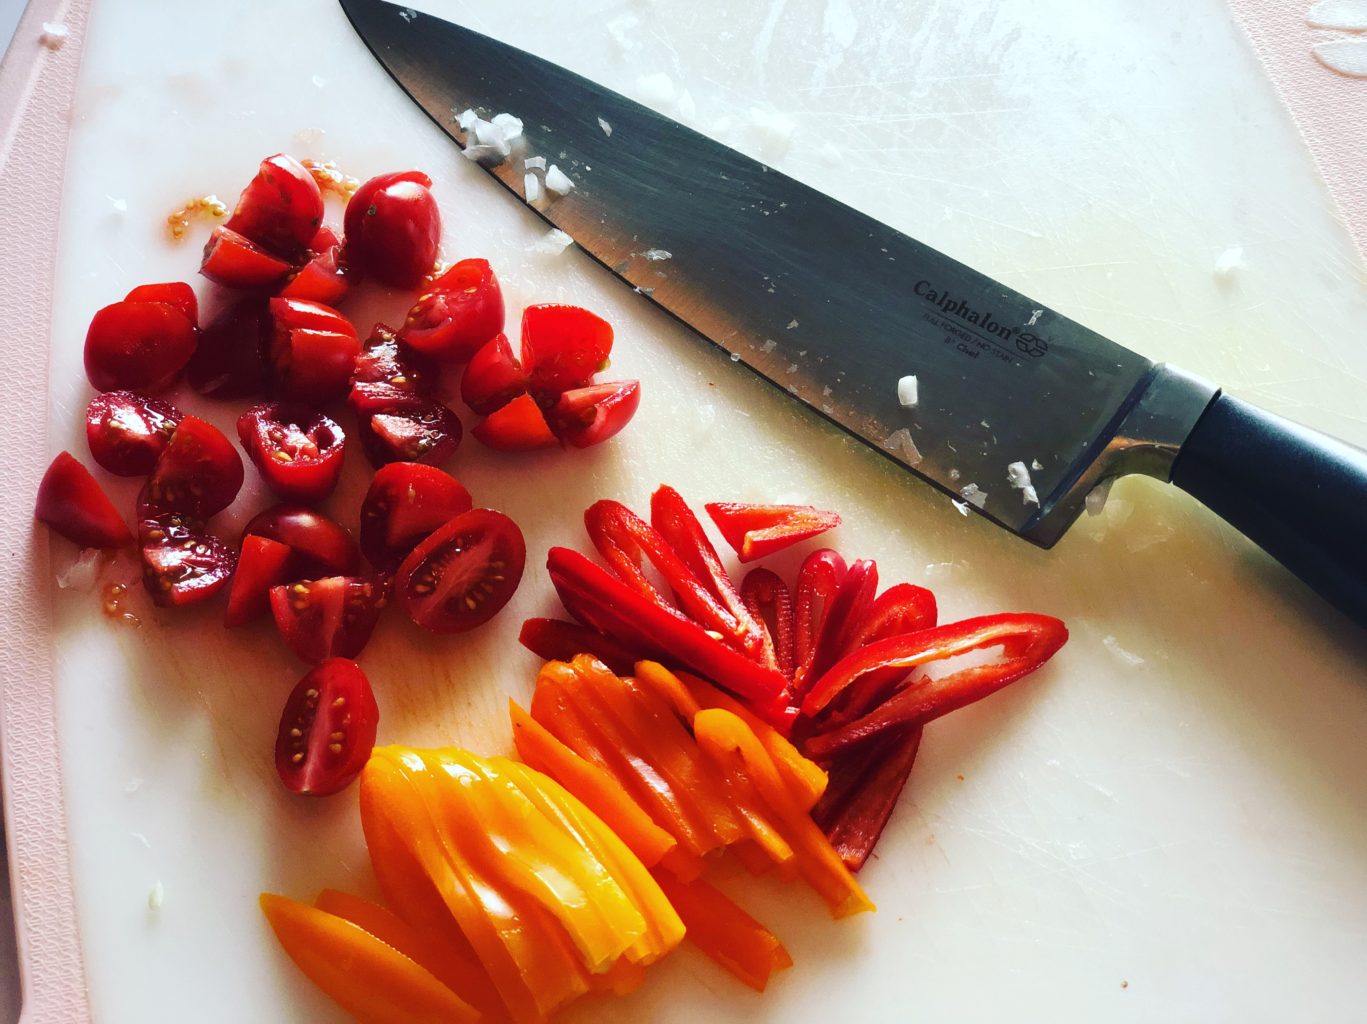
x,y
1298,494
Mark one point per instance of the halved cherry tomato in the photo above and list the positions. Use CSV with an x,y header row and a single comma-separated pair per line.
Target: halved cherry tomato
x,y
461,576
325,277
563,347
754,531
589,415
172,293
197,475
388,372
327,729
297,451
457,314
73,503
414,430
312,350
263,563
393,227
327,618
235,261
127,432
180,563
405,503
281,208
319,547
519,426
493,378
138,346
228,362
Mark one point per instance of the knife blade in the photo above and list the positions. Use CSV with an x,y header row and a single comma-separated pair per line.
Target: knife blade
x,y
1020,411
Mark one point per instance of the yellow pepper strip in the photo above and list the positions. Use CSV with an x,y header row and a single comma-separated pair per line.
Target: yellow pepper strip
x,y
722,734
603,795
364,975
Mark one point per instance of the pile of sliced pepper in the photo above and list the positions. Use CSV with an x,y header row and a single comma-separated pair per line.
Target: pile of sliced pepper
x,y
830,662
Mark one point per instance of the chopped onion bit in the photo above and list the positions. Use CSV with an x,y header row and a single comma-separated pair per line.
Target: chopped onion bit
x,y
535,163
974,494
962,506
907,394
557,180
466,119
552,242
531,187
81,573
156,897
657,254
1036,465
1019,478
901,444
607,128
508,124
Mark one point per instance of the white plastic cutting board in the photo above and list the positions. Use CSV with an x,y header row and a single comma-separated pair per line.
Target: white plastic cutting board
x,y
1168,823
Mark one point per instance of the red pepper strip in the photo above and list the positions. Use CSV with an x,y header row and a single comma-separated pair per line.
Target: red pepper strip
x,y
818,581
676,523
764,592
900,609
600,600
865,786
725,933
844,615
557,640
623,538
1027,641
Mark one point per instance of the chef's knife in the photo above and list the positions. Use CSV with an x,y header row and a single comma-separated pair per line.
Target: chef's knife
x,y
1020,412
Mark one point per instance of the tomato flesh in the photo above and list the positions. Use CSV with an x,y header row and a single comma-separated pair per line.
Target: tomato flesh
x,y
319,546
755,531
393,228
388,372
198,474
138,346
228,361
463,574
325,277
405,503
519,426
262,563
172,293
327,618
590,415
73,503
312,350
235,261
127,431
297,451
563,347
461,311
281,208
416,430
180,563
327,729
493,378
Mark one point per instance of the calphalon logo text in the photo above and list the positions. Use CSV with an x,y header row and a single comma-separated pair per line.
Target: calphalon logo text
x,y
1024,341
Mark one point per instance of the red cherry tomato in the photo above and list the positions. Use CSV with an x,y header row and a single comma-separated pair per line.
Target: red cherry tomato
x,y
312,350
519,426
328,618
228,362
319,547
281,208
461,311
392,227
325,277
327,729
263,563
589,415
127,432
197,475
181,564
138,346
416,430
73,503
462,575
563,347
173,293
387,373
493,378
405,503
297,451
235,261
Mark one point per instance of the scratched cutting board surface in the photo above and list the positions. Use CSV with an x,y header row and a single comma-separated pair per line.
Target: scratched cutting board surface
x,y
1169,822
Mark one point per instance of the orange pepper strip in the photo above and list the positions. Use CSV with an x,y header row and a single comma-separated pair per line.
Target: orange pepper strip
x,y
752,857
539,749
456,968
362,974
721,733
725,932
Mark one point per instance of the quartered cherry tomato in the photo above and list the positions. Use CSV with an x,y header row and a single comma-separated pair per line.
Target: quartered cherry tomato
x,y
228,362
405,503
327,729
197,475
493,378
172,293
72,502
127,431
415,430
180,563
138,346
261,564
563,347
297,451
235,261
281,208
518,426
319,546
464,573
311,350
393,227
591,414
325,277
327,618
388,372
457,314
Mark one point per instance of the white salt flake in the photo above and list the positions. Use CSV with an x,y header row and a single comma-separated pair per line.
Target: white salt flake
x,y
1229,263
900,442
557,180
534,163
81,573
552,242
656,255
1128,657
54,35
1019,478
531,187
908,392
1096,497
974,494
607,128
962,506
156,897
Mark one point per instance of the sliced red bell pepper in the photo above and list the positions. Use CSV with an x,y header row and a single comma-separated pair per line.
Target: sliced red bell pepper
x,y
755,531
818,581
900,609
863,790
770,604
557,640
1027,641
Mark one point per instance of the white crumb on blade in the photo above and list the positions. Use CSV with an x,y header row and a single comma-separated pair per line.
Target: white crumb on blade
x,y
466,119
961,506
1229,263
954,474
607,128
552,243
769,345
1019,478
908,391
1036,465
81,573
1127,656
558,181
156,897
791,325
974,494
900,443
655,255
531,187
54,35
1096,497
534,163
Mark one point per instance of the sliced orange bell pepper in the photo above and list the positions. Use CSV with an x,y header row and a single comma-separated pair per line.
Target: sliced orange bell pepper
x,y
361,973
